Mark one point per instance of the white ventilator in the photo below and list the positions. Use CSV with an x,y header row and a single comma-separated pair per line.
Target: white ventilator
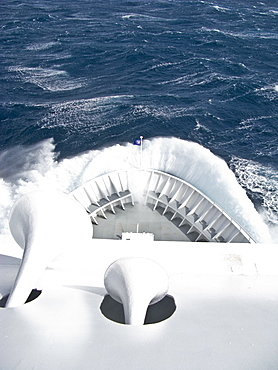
x,y
136,282
44,224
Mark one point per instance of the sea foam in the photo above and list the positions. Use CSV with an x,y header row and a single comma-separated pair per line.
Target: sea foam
x,y
48,79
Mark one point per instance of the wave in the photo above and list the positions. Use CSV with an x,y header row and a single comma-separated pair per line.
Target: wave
x,y
243,34
269,91
101,113
42,46
36,167
220,8
84,114
262,182
48,79
135,16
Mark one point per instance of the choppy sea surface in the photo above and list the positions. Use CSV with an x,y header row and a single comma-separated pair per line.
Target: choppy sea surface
x,y
80,80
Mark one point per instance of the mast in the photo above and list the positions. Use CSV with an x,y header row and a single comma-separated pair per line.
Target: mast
x,y
141,151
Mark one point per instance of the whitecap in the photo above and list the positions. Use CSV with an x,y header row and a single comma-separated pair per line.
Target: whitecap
x,y
269,91
163,64
244,34
48,79
144,17
249,121
220,8
84,114
41,46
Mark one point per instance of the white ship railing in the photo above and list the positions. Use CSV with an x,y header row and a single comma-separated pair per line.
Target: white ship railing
x,y
104,193
198,216
184,201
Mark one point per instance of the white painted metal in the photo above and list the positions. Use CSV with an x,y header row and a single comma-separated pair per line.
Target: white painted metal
x,y
204,219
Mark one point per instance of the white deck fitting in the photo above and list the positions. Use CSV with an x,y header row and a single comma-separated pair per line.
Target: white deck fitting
x,y
44,224
226,315
201,219
136,283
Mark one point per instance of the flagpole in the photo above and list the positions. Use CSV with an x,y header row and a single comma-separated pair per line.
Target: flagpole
x,y
141,151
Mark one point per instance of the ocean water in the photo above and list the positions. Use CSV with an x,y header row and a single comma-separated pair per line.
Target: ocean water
x,y
198,79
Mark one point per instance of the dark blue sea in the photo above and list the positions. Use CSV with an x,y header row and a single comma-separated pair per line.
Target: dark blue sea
x,y
82,79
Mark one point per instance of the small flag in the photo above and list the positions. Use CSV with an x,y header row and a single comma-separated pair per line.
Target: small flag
x,y
137,142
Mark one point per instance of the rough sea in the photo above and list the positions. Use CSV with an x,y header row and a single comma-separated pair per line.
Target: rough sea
x,y
81,80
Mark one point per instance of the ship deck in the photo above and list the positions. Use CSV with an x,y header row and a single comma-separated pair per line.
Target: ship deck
x,y
140,218
226,310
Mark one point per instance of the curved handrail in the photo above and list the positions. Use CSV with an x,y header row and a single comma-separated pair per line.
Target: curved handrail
x,y
117,182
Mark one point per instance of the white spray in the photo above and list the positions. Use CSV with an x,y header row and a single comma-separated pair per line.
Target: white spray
x,y
36,168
